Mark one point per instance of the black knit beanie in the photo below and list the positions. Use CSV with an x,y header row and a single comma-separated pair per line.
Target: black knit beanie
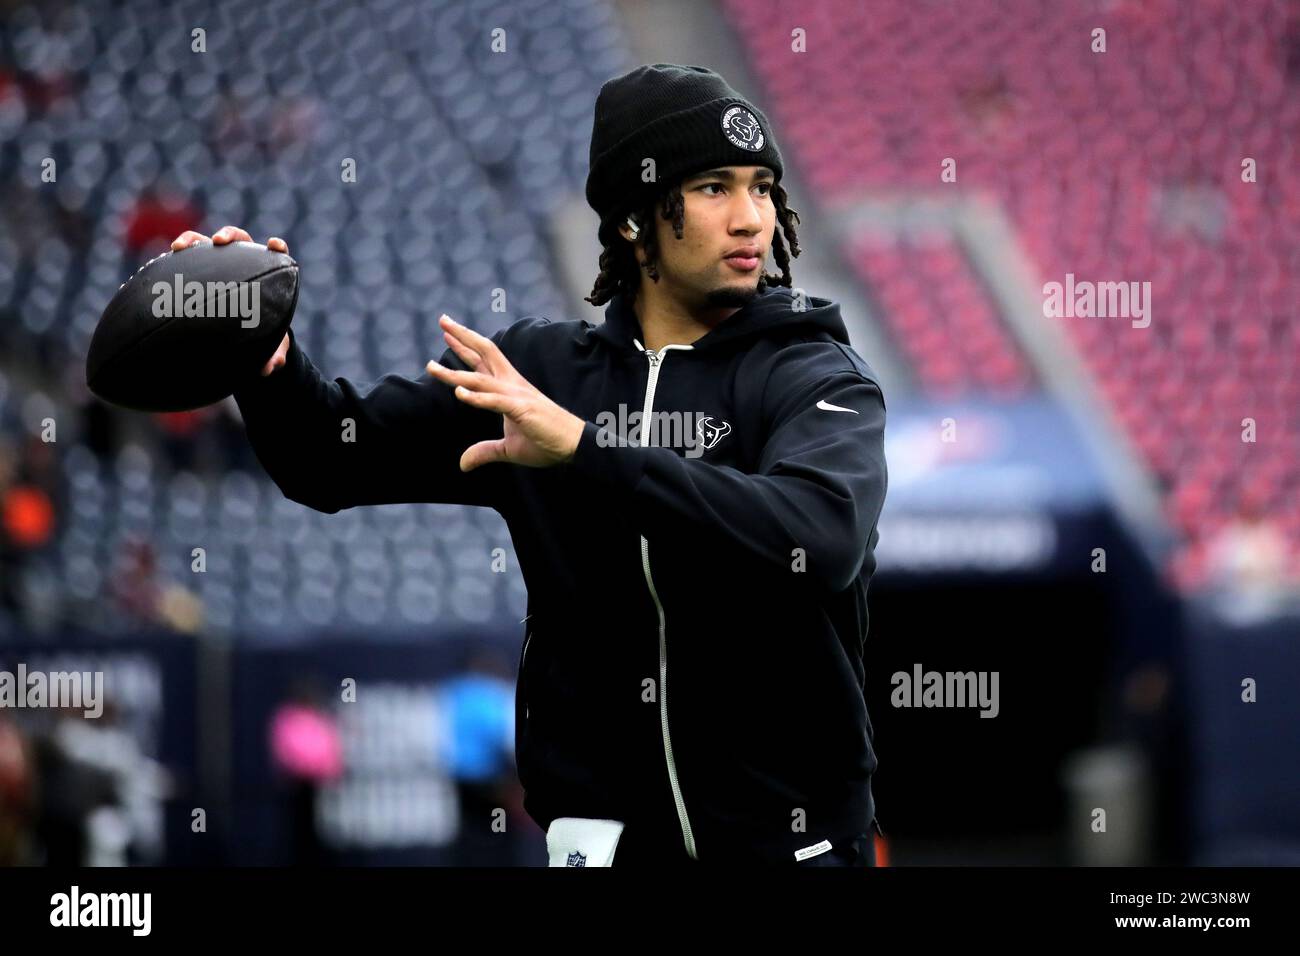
x,y
686,118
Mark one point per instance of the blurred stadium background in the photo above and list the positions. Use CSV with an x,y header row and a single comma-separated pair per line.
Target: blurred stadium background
x,y
1107,531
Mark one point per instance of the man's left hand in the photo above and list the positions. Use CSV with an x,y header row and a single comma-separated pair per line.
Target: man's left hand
x,y
537,432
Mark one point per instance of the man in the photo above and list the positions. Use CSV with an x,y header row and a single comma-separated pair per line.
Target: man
x,y
690,684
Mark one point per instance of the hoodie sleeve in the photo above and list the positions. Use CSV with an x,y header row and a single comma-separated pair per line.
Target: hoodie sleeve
x,y
330,446
820,484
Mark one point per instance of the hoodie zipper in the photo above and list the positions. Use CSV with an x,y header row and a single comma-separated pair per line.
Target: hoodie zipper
x,y
688,836
523,663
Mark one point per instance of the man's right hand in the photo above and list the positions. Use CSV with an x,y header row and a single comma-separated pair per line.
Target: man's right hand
x,y
232,234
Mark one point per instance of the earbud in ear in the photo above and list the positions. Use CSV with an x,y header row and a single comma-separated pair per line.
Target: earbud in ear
x,y
634,226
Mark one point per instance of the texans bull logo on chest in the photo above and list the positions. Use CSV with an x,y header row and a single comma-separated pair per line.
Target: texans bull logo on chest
x,y
709,432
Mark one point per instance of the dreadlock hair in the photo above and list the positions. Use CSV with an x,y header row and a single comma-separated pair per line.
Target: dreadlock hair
x,y
620,272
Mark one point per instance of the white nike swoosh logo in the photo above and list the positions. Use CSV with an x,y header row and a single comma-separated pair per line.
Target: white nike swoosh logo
x,y
828,407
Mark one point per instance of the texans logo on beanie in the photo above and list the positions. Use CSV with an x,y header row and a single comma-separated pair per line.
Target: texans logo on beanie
x,y
684,118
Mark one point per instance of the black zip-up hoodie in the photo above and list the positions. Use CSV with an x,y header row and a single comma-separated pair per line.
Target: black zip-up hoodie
x,y
693,653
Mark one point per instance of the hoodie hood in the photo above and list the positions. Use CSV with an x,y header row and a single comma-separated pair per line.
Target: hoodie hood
x,y
773,308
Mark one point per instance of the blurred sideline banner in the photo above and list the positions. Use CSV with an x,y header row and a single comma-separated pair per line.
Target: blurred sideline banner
x,y
396,801
978,487
149,721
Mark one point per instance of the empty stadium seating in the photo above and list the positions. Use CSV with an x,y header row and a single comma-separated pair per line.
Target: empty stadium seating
x,y
460,153
1125,165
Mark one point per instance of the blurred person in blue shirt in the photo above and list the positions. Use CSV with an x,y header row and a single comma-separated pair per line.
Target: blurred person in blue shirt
x,y
480,710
